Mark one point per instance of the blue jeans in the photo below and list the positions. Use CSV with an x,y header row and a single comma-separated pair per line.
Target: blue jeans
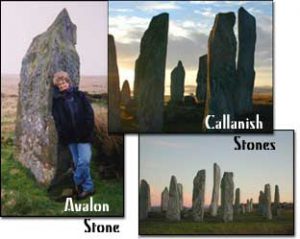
x,y
81,153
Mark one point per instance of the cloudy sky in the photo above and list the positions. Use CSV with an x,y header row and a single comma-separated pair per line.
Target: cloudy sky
x,y
189,27
22,21
183,155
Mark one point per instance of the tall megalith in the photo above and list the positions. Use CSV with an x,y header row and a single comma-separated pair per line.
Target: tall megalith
x,y
201,79
227,187
173,211
267,202
177,83
198,196
276,205
125,93
216,190
164,200
144,200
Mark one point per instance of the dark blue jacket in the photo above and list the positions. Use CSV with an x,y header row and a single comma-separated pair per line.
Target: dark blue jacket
x,y
73,116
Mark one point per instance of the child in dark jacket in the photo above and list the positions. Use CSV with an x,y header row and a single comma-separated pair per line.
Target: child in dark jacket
x,y
74,120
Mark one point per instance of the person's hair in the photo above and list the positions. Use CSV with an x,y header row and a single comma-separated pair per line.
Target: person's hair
x,y
61,76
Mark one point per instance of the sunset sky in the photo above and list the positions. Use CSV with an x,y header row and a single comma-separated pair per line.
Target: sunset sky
x,y
183,155
189,25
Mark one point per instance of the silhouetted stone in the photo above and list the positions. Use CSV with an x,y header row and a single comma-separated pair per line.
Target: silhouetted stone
x,y
189,100
114,97
215,192
251,204
173,212
177,83
150,75
198,196
227,187
267,202
144,200
276,210
237,203
180,191
245,65
125,93
164,200
202,78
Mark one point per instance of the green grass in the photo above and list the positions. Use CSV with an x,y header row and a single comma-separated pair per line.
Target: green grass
x,y
21,195
244,224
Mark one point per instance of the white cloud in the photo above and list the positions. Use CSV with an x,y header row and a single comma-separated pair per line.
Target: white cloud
x,y
121,10
154,6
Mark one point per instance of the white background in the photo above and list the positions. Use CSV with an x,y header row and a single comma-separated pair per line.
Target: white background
x,y
287,116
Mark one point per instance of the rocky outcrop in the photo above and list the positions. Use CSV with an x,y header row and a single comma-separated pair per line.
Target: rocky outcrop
x,y
201,79
177,83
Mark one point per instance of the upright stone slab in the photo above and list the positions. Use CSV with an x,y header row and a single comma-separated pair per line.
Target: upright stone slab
x,y
227,187
245,65
180,191
215,192
177,83
199,196
268,211
125,93
261,210
173,212
201,79
251,204
164,200
114,98
243,209
276,209
36,136
144,200
150,75
248,209
221,68
237,203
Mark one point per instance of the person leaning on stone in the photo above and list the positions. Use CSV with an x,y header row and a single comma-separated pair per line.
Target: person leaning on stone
x,y
74,120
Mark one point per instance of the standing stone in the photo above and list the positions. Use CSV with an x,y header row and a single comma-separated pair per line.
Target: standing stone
x,y
243,208
215,192
180,191
248,206
237,203
198,196
36,137
261,203
251,204
276,210
125,93
245,65
227,187
173,212
164,200
201,79
144,200
268,211
177,83
114,97
221,68
149,80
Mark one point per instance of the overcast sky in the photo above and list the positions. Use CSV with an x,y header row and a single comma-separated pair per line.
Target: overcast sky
x,y
22,21
183,155
189,25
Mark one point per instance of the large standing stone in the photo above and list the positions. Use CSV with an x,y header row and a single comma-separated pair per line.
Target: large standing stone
x,y
150,75
261,203
221,69
215,192
114,98
173,212
144,200
125,93
267,203
199,196
180,191
36,136
164,200
177,83
201,79
276,210
248,207
227,187
245,65
237,203
251,204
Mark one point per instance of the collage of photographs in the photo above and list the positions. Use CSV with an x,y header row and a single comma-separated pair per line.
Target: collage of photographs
x,y
192,81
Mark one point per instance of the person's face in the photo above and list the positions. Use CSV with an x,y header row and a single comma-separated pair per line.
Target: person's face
x,y
63,85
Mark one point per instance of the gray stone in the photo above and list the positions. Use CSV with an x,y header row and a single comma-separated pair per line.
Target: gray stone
x,y
267,202
149,80
276,209
221,68
245,65
36,136
237,203
114,97
173,212
243,209
201,79
125,93
164,200
199,196
248,209
227,187
177,83
144,200
180,191
261,203
215,192
251,204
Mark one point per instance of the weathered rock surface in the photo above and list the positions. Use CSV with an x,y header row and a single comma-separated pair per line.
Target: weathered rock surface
x,y
245,65
199,196
221,68
164,200
227,187
36,136
177,83
276,210
215,192
125,93
267,202
261,203
114,97
201,79
173,212
150,75
144,200
180,191
237,202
